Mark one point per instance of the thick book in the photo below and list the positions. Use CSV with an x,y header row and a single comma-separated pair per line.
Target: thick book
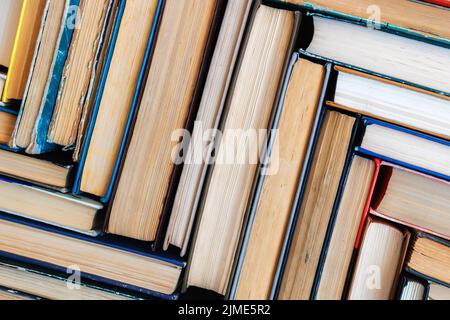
x,y
103,259
399,15
80,71
303,178
23,50
9,21
379,263
413,199
393,102
133,108
53,207
38,140
407,148
46,46
332,274
149,164
208,117
38,171
117,94
323,183
41,283
429,257
294,127
404,59
230,185
97,78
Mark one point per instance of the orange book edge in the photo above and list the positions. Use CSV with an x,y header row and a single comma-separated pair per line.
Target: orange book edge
x,y
14,51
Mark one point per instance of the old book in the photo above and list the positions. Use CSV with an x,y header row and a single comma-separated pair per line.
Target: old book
x,y
210,110
402,58
9,20
7,123
317,205
393,102
438,292
145,179
51,287
92,257
412,290
23,50
118,94
69,23
41,65
413,199
379,262
341,247
279,190
52,207
407,147
431,257
428,20
250,108
79,70
34,170
86,117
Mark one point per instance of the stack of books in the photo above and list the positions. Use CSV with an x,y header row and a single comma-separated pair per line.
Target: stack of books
x,y
166,149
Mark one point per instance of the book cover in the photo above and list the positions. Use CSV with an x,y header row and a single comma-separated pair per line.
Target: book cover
x,y
370,121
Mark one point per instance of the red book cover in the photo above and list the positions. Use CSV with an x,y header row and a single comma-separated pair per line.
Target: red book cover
x,y
383,181
443,3
369,200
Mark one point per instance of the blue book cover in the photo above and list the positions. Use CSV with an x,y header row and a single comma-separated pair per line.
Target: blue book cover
x,y
134,105
369,121
39,142
7,109
116,242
